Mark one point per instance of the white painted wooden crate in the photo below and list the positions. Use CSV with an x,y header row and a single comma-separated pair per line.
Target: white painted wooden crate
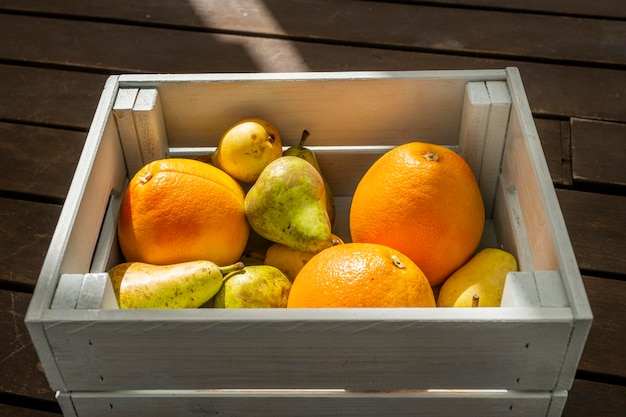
x,y
518,360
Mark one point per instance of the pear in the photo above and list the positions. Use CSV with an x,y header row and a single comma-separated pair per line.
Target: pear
x,y
480,282
289,260
246,148
182,285
257,286
307,154
287,204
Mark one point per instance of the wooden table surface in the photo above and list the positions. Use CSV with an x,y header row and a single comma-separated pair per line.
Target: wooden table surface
x,y
55,57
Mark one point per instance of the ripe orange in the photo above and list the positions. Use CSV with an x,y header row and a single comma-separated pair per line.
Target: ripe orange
x,y
178,210
360,275
423,200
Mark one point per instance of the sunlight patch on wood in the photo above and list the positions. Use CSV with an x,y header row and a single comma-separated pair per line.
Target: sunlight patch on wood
x,y
265,55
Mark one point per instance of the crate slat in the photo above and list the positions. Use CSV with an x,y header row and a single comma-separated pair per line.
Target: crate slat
x,y
361,349
316,403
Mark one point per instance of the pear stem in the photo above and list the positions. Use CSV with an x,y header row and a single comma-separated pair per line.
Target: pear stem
x,y
305,134
232,274
475,300
225,270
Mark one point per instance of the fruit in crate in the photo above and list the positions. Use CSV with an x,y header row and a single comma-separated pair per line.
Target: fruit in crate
x,y
247,147
307,154
257,286
423,200
287,204
183,285
289,260
178,210
360,275
480,282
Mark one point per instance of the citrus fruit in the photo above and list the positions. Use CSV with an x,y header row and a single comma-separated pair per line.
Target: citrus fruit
x,y
360,275
179,210
423,200
247,147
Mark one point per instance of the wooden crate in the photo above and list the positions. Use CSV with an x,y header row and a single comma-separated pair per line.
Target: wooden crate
x,y
517,360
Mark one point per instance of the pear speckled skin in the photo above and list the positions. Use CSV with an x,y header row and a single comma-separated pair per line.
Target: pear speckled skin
x,y
305,153
287,205
183,285
257,286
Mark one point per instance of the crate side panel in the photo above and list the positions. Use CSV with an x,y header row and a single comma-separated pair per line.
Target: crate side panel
x,y
336,112
517,167
318,403
100,129
525,166
220,352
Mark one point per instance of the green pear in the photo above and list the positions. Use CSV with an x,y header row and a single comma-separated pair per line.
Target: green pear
x,y
287,204
480,282
182,285
257,286
307,154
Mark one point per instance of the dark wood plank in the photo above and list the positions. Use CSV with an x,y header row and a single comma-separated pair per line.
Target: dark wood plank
x,y
550,133
594,399
20,368
604,350
16,411
598,152
614,9
415,26
27,228
597,229
52,97
600,8
38,160
554,90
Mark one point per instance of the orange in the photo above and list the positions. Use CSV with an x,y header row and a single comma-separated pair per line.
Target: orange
x,y
178,210
423,200
360,275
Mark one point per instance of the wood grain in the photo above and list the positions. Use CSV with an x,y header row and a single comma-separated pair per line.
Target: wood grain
x,y
598,152
416,26
594,399
27,229
38,160
604,351
597,229
600,8
556,90
613,9
314,404
19,366
550,134
17,411
50,97
55,57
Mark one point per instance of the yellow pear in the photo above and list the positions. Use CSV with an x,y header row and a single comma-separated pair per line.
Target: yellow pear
x,y
290,260
256,286
480,282
246,148
182,285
